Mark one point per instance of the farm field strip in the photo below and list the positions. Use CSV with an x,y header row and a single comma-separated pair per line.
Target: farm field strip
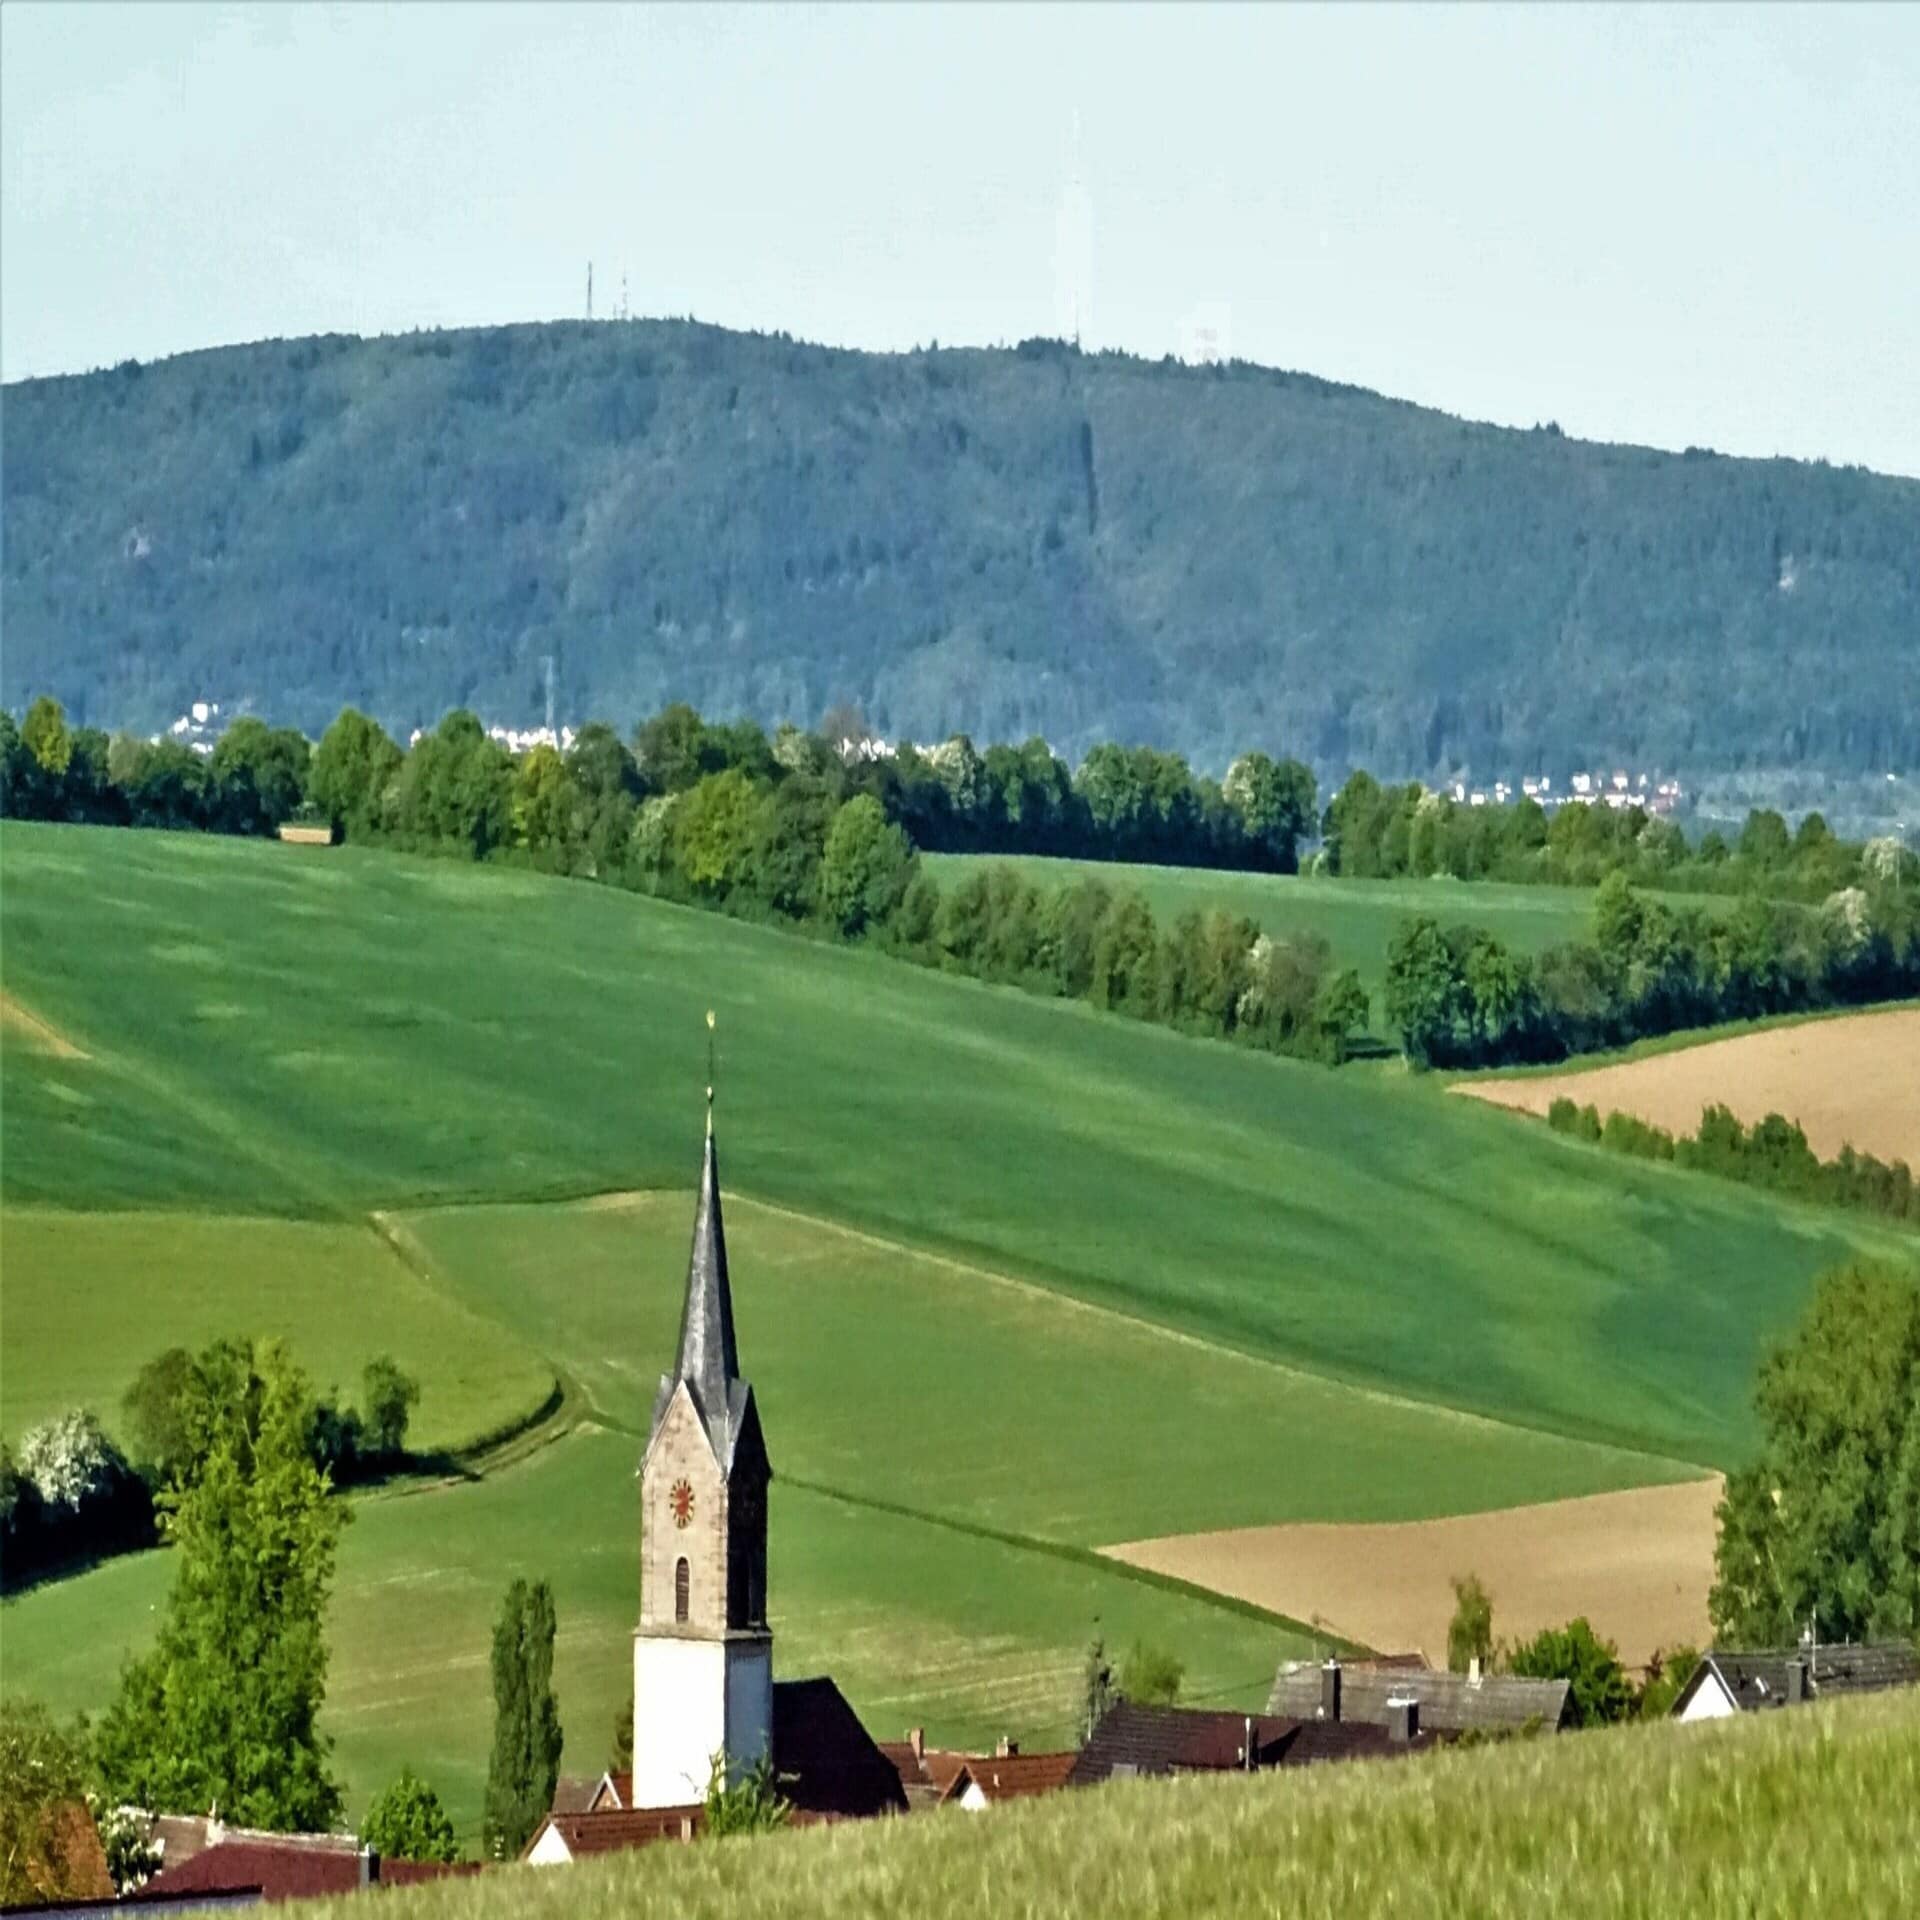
x,y
1847,1080
871,1361
92,1297
1637,1563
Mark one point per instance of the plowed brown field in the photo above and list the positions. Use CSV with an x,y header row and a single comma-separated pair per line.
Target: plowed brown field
x,y
1637,1564
1853,1080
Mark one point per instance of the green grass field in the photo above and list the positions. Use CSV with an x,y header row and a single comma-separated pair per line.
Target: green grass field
x,y
1015,1279
1355,917
1775,1816
337,1031
90,1298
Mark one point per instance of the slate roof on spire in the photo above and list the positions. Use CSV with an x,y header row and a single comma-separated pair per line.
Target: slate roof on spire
x,y
708,1359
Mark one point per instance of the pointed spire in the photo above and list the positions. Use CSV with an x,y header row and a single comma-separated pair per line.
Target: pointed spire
x,y
707,1358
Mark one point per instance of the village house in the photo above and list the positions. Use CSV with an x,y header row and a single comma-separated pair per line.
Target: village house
x,y
1134,1739
1726,1683
1372,1692
944,1777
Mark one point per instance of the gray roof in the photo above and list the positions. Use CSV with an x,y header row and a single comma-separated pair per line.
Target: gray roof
x,y
708,1359
1755,1680
1449,1702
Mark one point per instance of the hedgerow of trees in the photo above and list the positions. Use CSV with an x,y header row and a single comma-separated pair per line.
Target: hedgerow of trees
x,y
71,1495
1458,997
1772,1153
1376,832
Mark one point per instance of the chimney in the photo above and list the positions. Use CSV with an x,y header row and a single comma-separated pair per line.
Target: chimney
x,y
1006,1748
1796,1682
1330,1690
917,1740
369,1867
1403,1721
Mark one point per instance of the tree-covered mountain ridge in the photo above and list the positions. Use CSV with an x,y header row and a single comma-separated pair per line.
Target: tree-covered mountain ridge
x,y
997,541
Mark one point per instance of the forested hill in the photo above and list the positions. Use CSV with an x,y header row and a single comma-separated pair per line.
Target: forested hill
x,y
1000,542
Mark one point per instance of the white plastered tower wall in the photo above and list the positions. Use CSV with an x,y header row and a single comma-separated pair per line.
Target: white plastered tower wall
x,y
702,1653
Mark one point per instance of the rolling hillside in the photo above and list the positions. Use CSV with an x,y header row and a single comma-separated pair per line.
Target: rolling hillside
x,y
1015,1280
1005,542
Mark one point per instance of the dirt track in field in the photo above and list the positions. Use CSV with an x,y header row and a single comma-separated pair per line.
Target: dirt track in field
x,y
1850,1080
34,1032
1637,1564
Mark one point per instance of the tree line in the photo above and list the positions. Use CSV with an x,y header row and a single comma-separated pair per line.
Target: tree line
x,y
790,830
73,1494
1459,997
1377,832
1772,1153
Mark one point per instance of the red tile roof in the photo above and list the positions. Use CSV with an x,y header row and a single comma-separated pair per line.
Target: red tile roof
x,y
283,1866
1013,1776
615,1829
288,1866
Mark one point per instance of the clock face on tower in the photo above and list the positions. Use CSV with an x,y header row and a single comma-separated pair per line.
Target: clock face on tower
x,y
680,1501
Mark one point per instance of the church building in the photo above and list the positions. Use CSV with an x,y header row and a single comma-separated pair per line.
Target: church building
x,y
703,1685
702,1653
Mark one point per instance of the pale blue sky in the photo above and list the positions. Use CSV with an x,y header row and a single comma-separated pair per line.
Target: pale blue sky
x,y
1664,225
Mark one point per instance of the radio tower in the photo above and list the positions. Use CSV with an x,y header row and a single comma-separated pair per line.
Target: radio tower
x,y
589,289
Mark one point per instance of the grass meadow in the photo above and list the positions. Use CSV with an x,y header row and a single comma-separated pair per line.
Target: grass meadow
x,y
1015,1279
1770,1817
90,1298
343,1030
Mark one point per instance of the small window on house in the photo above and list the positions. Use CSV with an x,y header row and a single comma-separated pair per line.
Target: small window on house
x,y
682,1577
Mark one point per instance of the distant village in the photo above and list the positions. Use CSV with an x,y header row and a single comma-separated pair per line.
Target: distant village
x,y
200,726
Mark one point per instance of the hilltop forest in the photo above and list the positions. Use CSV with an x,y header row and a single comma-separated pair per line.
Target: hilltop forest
x,y
1001,542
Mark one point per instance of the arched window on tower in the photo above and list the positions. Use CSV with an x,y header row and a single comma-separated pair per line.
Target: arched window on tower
x,y
682,1580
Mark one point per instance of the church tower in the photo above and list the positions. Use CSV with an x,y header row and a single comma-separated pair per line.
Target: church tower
x,y
702,1655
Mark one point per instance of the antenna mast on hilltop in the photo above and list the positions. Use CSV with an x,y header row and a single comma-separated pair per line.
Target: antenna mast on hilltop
x,y
589,289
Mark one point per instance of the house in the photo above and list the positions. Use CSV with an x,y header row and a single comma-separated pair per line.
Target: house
x,y
825,1765
237,1866
703,1685
1135,1739
1470,1702
940,1777
1726,1683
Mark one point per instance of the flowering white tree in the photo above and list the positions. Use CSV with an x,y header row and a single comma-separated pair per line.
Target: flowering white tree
x,y
70,1460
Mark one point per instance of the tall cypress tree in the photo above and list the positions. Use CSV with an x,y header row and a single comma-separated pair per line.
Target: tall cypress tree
x,y
526,1721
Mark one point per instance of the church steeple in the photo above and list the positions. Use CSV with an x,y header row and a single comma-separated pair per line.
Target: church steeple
x,y
703,1655
707,1358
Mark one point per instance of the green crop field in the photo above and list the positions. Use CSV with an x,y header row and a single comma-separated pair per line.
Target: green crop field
x,y
320,1033
1014,1279
1771,1817
89,1298
1356,918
